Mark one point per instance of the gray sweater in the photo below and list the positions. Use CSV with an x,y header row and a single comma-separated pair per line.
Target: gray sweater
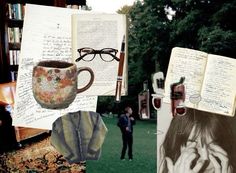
x,y
79,136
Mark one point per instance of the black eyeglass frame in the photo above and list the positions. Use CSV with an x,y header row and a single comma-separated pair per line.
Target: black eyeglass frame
x,y
89,51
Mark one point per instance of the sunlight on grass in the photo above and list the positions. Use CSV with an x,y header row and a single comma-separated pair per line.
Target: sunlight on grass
x,y
144,150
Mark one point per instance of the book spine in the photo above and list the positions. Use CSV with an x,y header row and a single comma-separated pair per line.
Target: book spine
x,y
9,11
11,57
15,11
13,76
14,57
16,35
19,14
12,11
10,35
23,11
17,57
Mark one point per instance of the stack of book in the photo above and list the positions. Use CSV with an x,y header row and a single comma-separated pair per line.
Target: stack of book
x,y
16,11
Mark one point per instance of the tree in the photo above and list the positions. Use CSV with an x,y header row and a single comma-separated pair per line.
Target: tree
x,y
206,25
125,9
148,34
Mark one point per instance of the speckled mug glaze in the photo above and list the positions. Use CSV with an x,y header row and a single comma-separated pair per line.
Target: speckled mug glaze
x,y
54,83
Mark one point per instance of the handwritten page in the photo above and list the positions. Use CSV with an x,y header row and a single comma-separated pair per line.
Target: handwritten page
x,y
46,36
211,77
100,31
186,63
219,85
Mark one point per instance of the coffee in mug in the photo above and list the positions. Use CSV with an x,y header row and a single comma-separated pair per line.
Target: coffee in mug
x,y
54,83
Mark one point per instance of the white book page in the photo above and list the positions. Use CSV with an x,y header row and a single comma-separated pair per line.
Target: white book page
x,y
186,63
219,86
46,36
98,31
164,117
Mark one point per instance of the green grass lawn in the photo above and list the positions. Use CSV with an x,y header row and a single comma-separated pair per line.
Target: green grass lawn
x,y
144,150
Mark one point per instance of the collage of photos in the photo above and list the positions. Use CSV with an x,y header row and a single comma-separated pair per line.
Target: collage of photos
x,y
131,86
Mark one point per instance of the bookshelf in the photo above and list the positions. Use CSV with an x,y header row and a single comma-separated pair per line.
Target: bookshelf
x,y
11,24
11,17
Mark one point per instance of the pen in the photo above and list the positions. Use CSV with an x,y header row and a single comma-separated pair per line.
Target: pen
x,y
120,71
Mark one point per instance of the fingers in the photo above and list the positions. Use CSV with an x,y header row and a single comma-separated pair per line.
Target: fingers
x,y
189,148
188,160
188,154
204,152
224,161
224,166
185,152
217,148
198,166
170,165
218,152
191,144
215,164
184,165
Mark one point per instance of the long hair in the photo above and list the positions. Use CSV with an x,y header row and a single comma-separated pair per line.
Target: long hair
x,y
217,126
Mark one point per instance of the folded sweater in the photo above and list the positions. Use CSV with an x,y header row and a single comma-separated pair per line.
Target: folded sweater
x,y
79,136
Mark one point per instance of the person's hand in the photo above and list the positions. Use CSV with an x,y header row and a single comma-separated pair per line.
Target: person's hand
x,y
131,118
183,164
0,122
216,151
127,128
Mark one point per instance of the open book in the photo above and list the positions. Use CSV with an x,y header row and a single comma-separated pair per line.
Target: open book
x,y
96,42
47,35
210,80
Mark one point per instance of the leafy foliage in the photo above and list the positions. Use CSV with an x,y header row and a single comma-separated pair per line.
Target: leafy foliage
x,y
206,25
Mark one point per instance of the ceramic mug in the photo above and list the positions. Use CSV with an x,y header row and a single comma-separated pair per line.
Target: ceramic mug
x,y
54,83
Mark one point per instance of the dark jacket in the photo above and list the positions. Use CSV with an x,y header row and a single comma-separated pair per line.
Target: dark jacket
x,y
7,131
79,136
123,123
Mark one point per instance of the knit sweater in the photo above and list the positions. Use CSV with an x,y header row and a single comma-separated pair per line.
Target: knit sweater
x,y
79,136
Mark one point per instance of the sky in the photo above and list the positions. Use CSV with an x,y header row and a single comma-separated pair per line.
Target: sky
x,y
109,6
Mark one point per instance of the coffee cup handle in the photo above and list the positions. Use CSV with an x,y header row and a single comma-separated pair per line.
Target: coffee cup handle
x,y
79,90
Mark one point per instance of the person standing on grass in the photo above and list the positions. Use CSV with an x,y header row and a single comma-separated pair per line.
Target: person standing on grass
x,y
126,123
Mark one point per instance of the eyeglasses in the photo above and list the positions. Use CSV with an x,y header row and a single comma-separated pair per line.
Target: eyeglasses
x,y
106,54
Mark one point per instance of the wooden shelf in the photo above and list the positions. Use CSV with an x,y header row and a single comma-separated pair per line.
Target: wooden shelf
x,y
14,46
15,23
23,133
13,67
